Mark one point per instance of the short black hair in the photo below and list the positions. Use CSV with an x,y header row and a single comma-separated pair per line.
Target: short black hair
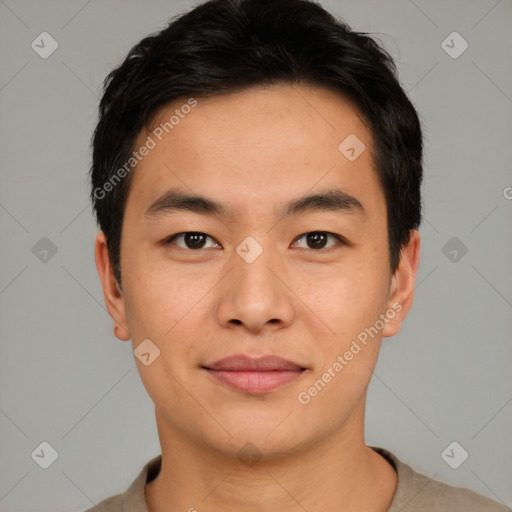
x,y
224,46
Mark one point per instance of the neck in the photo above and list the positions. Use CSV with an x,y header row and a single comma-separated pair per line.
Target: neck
x,y
337,472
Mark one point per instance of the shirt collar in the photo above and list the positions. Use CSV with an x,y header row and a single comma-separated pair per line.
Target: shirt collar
x,y
134,499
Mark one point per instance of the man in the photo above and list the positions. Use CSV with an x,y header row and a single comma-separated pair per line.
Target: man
x,y
256,176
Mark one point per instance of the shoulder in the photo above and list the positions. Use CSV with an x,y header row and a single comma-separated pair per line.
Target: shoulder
x,y
417,492
133,499
112,504
442,496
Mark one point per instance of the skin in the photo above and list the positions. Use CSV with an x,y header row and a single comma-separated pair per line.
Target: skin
x,y
254,150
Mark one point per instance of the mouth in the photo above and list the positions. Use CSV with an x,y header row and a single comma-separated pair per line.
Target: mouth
x,y
254,376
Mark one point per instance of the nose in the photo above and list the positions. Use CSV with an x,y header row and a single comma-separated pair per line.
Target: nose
x,y
255,295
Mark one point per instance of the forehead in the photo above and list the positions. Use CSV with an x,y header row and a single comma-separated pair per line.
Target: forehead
x,y
256,145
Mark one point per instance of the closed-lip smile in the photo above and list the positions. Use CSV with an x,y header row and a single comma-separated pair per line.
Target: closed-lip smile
x,y
254,375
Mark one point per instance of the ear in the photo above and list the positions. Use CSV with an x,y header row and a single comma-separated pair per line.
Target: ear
x,y
401,293
112,294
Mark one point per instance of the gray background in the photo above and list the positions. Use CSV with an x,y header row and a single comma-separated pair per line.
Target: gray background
x,y
65,379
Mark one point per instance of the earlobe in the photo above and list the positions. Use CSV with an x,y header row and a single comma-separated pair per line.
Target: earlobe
x,y
121,334
113,296
402,285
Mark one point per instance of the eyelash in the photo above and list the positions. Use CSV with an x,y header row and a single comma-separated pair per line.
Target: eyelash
x,y
340,239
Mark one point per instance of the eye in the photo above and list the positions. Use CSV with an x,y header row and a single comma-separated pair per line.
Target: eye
x,y
192,239
317,239
196,240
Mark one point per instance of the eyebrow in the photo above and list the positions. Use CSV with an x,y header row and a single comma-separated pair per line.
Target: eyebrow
x,y
332,200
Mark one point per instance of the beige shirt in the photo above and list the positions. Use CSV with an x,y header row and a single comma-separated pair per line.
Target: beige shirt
x,y
415,492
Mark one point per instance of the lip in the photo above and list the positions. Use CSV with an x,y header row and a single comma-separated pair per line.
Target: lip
x,y
254,375
243,363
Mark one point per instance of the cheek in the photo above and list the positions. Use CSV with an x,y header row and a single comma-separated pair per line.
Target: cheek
x,y
156,296
350,305
350,298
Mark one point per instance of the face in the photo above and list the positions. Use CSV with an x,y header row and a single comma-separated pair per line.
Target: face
x,y
267,271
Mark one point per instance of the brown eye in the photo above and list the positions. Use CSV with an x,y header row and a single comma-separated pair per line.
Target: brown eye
x,y
192,240
317,240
